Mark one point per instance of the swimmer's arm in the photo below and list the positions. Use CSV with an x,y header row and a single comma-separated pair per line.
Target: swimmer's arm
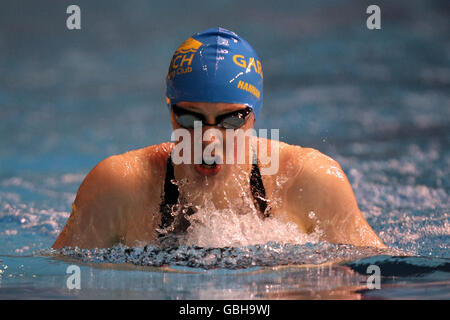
x,y
96,220
323,188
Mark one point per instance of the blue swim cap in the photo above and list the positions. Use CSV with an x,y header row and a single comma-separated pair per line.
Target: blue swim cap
x,y
216,65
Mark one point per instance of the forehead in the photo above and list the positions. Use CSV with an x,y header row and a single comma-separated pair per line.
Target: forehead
x,y
211,107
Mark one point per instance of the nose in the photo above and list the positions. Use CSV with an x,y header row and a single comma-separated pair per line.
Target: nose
x,y
209,120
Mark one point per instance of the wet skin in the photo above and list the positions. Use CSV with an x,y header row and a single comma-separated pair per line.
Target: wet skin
x,y
119,199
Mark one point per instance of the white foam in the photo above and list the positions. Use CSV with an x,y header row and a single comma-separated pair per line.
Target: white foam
x,y
211,227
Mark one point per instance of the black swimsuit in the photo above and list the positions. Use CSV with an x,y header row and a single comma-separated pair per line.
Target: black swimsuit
x,y
176,224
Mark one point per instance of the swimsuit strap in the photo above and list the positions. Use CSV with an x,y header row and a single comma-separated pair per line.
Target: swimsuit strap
x,y
258,191
171,194
257,187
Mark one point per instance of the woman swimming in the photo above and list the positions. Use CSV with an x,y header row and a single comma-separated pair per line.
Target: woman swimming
x,y
214,93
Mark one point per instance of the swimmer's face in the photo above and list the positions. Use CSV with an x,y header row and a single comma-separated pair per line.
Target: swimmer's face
x,y
210,112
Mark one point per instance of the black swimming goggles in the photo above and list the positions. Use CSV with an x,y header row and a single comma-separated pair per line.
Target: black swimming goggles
x,y
231,120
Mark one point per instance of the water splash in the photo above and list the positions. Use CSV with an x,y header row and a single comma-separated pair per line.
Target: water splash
x,y
223,228
259,255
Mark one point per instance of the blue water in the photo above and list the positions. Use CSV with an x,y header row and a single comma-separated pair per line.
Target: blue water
x,y
376,101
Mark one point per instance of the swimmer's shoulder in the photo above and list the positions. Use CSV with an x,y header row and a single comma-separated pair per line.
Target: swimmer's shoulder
x,y
122,174
321,175
149,162
297,161
316,163
291,157
113,195
301,162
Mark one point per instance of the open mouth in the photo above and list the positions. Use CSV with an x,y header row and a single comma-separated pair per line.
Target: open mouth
x,y
206,165
208,169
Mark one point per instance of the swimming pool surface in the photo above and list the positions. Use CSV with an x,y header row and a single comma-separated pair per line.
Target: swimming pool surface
x,y
376,101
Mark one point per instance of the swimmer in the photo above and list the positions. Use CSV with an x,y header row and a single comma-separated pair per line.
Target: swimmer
x,y
214,82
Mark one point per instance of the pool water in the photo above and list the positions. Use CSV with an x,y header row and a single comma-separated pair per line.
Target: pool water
x,y
376,101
